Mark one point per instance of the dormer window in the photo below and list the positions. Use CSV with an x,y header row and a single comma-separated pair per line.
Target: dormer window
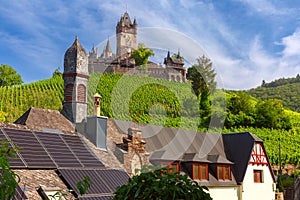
x,y
224,172
200,171
173,167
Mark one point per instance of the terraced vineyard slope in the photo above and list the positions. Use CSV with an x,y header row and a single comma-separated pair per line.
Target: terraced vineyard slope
x,y
146,100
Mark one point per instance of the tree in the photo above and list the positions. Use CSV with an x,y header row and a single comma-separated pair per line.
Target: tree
x,y
160,184
141,55
57,73
203,76
9,76
8,179
240,111
270,114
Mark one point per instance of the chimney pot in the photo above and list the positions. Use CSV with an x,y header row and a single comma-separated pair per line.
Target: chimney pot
x,y
97,99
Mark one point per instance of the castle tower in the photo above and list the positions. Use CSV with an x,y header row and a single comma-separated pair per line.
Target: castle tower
x,y
175,64
75,83
126,35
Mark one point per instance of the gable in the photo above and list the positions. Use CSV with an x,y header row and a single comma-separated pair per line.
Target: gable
x,y
258,155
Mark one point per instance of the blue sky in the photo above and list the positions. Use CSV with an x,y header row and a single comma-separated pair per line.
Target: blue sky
x,y
247,40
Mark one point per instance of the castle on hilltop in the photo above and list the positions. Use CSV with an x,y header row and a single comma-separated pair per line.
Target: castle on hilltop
x,y
122,62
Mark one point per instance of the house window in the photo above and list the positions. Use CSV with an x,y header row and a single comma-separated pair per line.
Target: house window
x,y
200,171
258,176
173,167
224,172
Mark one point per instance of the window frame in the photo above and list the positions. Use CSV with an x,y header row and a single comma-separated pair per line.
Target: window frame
x,y
258,176
200,166
222,176
170,168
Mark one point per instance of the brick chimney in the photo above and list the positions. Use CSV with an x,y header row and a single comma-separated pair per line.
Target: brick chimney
x,y
134,143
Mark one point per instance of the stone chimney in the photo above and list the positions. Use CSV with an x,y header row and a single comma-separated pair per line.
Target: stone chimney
x,y
133,142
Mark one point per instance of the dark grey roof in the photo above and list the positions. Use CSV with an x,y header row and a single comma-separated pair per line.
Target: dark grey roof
x,y
40,150
103,181
194,157
218,159
170,144
176,144
238,148
19,194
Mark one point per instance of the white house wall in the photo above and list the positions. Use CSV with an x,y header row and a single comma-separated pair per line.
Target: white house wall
x,y
258,191
224,193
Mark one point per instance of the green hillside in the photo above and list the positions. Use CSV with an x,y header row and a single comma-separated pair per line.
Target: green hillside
x,y
15,100
285,89
150,100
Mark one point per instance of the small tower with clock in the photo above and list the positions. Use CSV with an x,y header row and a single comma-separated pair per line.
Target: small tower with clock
x,y
126,32
75,83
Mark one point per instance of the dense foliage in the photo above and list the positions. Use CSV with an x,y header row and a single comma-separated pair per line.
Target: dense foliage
x,y
8,179
283,89
160,184
9,76
242,110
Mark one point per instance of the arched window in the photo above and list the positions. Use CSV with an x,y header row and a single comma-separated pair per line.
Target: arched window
x,y
81,97
69,92
172,78
136,164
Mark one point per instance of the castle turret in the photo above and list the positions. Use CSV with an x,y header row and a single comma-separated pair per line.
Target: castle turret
x,y
126,35
75,83
175,63
107,52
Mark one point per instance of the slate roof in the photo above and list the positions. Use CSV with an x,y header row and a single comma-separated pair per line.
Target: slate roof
x,y
75,48
238,148
43,119
171,144
57,145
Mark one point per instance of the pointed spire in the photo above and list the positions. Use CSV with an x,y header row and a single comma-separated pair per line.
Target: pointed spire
x,y
76,42
93,48
107,48
168,55
76,45
178,55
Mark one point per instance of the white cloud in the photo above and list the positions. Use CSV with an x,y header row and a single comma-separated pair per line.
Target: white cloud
x,y
291,44
265,7
259,57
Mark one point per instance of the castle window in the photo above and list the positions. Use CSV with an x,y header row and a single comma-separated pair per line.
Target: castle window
x,y
81,93
69,92
200,171
224,172
258,176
